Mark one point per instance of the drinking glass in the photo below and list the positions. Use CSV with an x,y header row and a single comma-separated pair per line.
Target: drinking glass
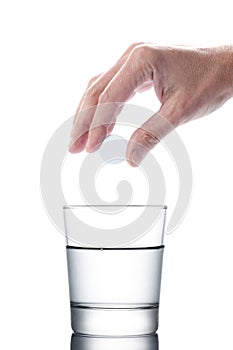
x,y
114,286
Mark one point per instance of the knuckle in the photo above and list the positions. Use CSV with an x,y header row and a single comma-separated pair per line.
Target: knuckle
x,y
135,44
92,80
140,52
150,139
93,91
147,139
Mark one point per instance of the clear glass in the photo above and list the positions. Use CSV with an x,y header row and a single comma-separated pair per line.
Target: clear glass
x,y
144,342
115,289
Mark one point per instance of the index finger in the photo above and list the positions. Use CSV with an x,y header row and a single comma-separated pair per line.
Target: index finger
x,y
133,74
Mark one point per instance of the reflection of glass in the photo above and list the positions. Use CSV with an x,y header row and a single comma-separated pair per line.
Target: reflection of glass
x,y
115,291
145,342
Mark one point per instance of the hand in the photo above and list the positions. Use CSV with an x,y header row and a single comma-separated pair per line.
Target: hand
x,y
189,83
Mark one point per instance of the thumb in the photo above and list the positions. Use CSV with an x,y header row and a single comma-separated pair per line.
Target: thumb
x,y
147,137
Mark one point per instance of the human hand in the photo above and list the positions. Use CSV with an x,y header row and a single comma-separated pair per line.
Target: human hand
x,y
189,83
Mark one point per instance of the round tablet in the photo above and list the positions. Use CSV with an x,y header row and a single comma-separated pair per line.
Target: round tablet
x,y
113,149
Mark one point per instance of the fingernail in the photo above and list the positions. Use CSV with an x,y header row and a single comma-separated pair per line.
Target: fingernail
x,y
88,145
88,149
137,156
71,146
91,148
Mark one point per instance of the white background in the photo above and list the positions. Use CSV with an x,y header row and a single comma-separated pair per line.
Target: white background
x,y
49,51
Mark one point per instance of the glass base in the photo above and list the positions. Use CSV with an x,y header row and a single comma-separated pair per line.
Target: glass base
x,y
118,321
91,342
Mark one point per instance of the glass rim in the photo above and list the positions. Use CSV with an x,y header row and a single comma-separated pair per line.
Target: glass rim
x,y
74,206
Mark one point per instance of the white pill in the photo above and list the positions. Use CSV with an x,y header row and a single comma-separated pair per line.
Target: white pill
x,y
113,149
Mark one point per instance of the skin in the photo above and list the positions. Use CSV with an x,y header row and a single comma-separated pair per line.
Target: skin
x,y
189,83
